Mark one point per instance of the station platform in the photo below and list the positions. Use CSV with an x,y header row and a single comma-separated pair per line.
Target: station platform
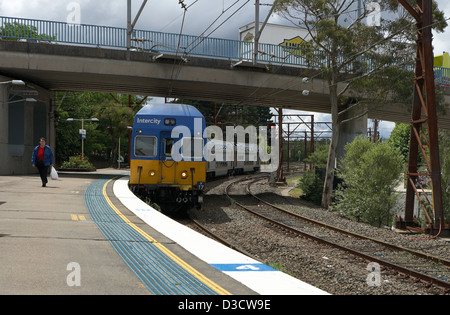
x,y
86,233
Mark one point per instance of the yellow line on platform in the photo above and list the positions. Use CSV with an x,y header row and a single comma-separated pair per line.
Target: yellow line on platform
x,y
211,284
79,217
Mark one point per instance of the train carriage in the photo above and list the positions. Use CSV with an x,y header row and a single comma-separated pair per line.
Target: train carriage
x,y
159,131
235,159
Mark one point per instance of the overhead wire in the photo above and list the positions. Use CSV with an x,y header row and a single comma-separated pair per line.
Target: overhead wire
x,y
185,8
205,37
165,26
176,70
220,15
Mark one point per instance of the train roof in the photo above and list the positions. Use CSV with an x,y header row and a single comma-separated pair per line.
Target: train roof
x,y
169,109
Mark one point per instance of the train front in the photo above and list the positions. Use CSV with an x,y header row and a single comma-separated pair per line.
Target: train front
x,y
167,163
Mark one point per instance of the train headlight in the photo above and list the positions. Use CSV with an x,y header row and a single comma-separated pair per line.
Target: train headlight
x,y
184,174
170,122
152,173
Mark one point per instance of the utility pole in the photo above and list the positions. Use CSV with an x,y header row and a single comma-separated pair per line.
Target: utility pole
x,y
257,33
359,8
280,176
424,111
375,130
131,25
129,30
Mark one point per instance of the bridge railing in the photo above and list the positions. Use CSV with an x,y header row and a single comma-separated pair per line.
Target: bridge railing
x,y
59,32
442,76
114,37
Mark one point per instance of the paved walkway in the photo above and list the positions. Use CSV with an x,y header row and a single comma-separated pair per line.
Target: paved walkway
x,y
49,245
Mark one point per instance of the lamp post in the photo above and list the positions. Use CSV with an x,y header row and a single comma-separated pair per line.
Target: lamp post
x,y
82,131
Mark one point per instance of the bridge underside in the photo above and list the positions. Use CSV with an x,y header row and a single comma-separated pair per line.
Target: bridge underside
x,y
75,68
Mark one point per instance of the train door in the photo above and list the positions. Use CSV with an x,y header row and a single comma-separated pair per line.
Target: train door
x,y
168,165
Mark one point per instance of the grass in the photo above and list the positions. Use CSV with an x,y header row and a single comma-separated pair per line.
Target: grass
x,y
294,192
278,266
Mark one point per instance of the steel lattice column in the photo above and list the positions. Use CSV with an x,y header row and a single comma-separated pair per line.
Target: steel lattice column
x,y
424,111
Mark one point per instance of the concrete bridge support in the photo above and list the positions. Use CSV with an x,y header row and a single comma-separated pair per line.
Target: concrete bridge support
x,y
351,128
24,117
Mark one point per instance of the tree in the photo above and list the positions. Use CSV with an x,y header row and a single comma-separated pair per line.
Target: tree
x,y
75,105
114,120
370,172
15,31
88,105
348,52
399,139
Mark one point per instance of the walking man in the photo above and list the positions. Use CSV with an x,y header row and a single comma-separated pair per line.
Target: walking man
x,y
42,158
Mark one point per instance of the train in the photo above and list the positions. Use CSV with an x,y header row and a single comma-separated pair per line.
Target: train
x,y
231,163
168,166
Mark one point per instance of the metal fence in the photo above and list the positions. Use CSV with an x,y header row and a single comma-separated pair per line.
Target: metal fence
x,y
442,76
106,36
115,37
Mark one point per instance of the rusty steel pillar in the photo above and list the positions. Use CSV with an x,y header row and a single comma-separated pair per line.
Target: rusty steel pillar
x,y
424,111
280,175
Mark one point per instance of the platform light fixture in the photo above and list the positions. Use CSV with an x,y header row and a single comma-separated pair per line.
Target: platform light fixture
x,y
14,82
157,56
30,100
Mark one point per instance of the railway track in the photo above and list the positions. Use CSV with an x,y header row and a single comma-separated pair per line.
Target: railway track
x,y
407,262
220,239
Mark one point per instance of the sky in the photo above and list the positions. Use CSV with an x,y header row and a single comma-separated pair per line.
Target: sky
x,y
167,16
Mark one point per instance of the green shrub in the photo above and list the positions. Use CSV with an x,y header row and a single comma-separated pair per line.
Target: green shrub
x,y
370,172
320,157
312,186
77,162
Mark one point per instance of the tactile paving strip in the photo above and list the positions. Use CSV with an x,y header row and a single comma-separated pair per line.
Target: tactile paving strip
x,y
159,273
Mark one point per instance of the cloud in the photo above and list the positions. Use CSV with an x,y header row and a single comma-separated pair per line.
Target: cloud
x,y
164,16
441,41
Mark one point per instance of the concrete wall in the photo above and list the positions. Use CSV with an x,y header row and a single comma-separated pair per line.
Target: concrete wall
x,y
351,129
22,123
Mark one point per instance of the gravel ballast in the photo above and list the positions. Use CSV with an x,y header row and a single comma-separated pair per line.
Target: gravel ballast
x,y
334,271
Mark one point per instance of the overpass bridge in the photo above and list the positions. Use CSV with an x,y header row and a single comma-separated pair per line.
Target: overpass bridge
x,y
55,56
